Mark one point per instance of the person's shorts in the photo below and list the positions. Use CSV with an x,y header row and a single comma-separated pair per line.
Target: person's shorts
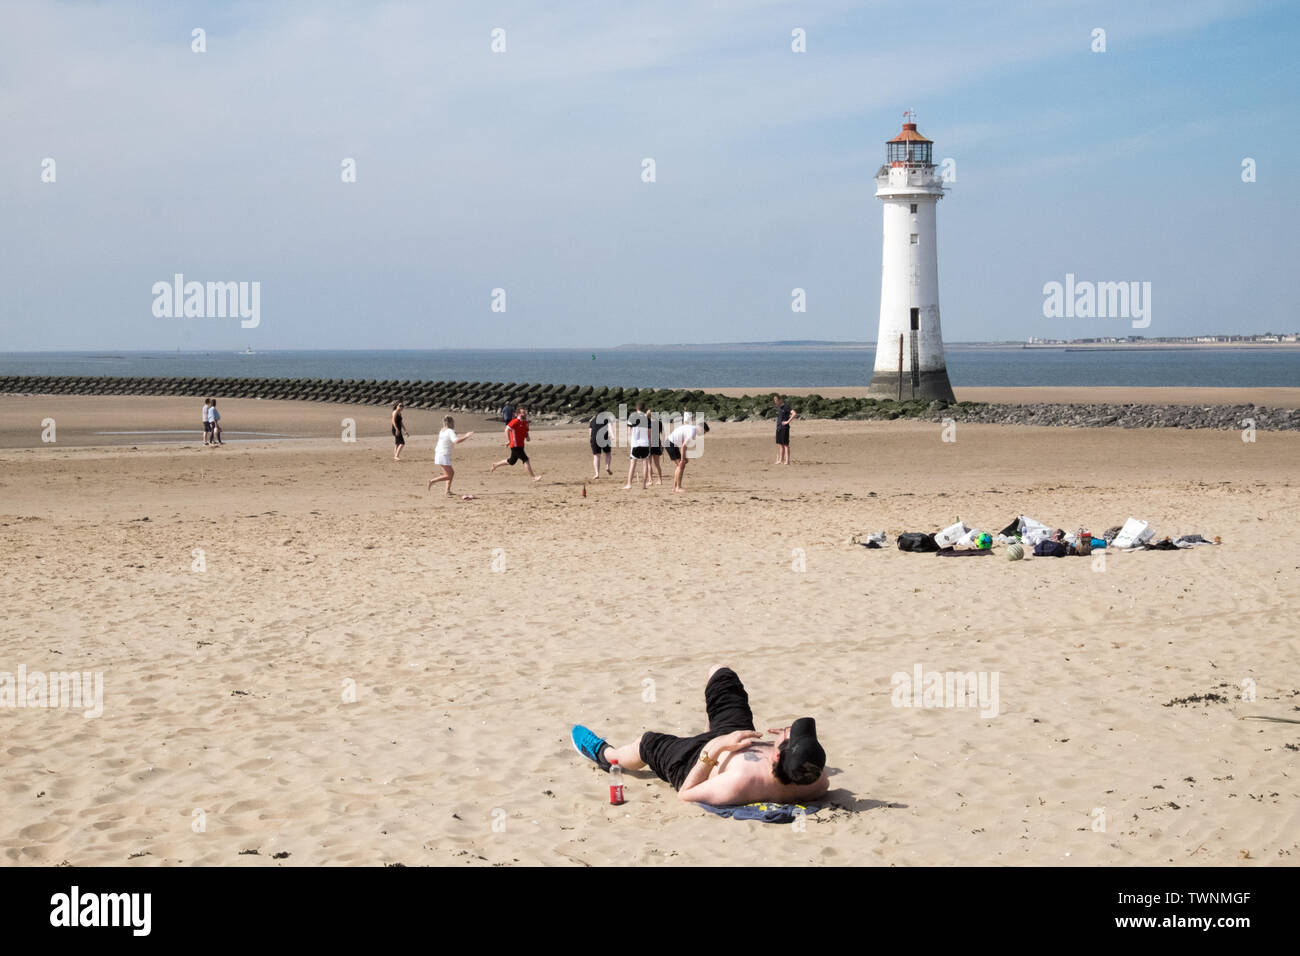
x,y
207,428
518,454
640,451
598,449
783,434
656,449
442,460
674,452
727,704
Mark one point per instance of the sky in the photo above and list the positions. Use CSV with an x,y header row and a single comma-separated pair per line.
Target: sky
x,y
522,170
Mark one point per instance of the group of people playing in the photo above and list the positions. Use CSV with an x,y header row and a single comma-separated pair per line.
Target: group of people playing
x,y
211,423
646,445
647,442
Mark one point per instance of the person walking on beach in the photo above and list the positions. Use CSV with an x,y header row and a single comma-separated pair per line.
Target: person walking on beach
x,y
508,411
207,422
784,416
516,435
682,436
729,764
602,443
399,432
638,424
215,417
447,440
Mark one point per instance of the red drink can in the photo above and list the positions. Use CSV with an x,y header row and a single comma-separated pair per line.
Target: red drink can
x,y
616,794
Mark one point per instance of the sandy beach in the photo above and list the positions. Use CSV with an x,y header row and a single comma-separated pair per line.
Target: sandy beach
x,y
307,659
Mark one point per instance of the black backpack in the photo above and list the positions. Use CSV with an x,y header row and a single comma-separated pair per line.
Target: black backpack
x,y
1049,549
917,541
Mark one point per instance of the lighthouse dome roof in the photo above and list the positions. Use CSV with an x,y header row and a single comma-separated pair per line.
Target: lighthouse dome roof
x,y
910,135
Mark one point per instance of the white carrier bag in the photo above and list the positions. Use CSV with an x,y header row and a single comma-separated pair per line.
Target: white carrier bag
x,y
951,535
1133,533
1032,532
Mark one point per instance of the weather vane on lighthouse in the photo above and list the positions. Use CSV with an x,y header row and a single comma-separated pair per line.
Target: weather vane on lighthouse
x,y
909,347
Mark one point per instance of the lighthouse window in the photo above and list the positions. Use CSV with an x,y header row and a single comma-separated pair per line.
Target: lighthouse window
x,y
913,207
913,238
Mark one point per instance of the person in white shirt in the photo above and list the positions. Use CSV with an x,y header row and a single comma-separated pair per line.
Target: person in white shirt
x,y
216,422
638,424
207,421
680,437
447,439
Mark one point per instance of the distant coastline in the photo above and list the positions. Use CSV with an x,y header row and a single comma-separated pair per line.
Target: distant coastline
x,y
1154,346
1070,345
1136,344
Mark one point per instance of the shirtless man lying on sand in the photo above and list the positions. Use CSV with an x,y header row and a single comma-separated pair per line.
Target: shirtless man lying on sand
x,y
729,764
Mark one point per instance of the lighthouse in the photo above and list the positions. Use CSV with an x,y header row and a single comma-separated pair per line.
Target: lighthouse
x,y
909,346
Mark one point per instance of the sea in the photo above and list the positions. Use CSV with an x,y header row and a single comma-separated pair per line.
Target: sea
x,y
772,366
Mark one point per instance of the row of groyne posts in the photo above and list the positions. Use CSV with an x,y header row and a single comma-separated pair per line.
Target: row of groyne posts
x,y
476,397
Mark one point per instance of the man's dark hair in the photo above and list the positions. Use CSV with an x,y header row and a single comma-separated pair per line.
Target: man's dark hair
x,y
802,775
778,768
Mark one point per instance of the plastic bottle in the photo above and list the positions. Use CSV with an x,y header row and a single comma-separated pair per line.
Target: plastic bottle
x,y
615,783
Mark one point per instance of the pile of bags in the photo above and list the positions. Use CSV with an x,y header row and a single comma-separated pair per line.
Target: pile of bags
x,y
953,541
1024,534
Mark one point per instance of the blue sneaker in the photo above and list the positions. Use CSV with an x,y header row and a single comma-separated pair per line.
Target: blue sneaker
x,y
590,746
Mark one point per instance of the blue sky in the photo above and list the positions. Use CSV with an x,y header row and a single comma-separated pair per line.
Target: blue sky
x,y
522,170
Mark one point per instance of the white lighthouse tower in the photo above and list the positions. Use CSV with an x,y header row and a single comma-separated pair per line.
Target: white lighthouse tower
x,y
909,347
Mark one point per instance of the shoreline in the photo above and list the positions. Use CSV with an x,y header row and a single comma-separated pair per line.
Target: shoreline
x,y
90,421
151,420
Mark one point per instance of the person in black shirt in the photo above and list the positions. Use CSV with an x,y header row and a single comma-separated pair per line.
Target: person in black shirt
x,y
656,449
602,443
399,432
784,416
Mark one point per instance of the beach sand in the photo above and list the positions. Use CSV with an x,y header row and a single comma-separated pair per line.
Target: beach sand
x,y
363,673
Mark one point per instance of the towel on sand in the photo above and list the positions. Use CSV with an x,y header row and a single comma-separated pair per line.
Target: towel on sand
x,y
765,812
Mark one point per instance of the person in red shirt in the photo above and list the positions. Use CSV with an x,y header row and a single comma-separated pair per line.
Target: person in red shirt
x,y
516,435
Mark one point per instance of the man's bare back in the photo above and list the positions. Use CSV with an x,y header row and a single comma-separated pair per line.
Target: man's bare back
x,y
744,775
